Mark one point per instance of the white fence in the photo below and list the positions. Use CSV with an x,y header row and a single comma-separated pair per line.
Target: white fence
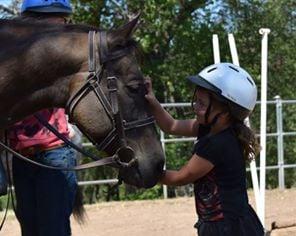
x,y
280,134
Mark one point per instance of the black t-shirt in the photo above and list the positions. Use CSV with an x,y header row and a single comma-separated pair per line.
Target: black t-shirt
x,y
222,192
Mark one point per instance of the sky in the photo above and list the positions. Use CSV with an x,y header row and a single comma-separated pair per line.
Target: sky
x,y
5,2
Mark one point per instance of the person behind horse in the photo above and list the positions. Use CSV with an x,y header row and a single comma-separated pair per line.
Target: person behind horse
x,y
225,95
45,198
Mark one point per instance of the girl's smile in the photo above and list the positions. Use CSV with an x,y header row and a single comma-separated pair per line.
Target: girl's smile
x,y
200,104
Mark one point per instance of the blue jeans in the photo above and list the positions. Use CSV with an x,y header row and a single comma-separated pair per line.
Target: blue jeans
x,y
45,197
3,179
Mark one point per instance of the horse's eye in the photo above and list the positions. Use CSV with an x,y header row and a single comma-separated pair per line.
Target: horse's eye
x,y
133,86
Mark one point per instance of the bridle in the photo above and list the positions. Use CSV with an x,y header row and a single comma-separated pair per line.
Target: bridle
x,y
97,66
112,109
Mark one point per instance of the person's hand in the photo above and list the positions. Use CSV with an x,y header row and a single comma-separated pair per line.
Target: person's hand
x,y
150,94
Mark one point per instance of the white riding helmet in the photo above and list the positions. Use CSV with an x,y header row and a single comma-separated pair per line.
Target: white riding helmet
x,y
231,83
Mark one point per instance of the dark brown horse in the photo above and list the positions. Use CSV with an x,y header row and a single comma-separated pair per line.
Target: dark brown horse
x,y
44,66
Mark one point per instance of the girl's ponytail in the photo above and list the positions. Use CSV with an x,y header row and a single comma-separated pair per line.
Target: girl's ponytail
x,y
247,139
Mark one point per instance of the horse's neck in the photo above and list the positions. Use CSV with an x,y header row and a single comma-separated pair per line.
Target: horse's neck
x,y
46,71
53,96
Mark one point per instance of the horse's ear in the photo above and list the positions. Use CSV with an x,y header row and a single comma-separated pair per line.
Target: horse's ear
x,y
118,37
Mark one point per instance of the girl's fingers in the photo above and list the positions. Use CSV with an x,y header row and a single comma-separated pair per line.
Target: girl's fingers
x,y
148,83
150,95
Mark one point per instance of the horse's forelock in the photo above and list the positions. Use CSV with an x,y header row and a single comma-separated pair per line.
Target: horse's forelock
x,y
138,52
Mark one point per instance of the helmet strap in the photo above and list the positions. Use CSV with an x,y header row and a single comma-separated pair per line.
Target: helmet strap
x,y
213,122
208,111
215,119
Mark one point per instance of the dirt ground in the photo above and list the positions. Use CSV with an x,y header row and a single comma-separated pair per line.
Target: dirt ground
x,y
172,217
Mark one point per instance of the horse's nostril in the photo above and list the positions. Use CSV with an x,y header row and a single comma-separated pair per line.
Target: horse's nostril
x,y
126,154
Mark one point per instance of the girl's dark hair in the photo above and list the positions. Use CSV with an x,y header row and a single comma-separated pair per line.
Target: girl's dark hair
x,y
245,134
247,139
39,17
31,14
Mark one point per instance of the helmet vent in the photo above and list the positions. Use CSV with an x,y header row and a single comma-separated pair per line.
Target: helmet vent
x,y
234,68
251,82
210,70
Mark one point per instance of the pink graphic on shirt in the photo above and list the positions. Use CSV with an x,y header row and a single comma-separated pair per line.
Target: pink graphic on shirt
x,y
29,132
207,200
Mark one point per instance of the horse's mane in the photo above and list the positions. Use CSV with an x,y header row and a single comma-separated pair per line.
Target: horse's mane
x,y
43,27
22,33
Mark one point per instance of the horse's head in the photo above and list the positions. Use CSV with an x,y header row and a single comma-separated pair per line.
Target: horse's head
x,y
131,126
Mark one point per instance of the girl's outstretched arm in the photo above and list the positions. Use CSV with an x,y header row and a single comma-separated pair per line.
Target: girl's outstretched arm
x,y
194,169
165,121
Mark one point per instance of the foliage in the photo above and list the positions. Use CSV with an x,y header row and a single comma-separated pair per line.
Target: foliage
x,y
3,202
11,10
128,192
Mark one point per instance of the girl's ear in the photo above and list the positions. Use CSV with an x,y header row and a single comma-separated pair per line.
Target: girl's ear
x,y
221,108
226,115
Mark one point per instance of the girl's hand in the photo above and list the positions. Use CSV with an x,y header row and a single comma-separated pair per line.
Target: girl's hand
x,y
150,94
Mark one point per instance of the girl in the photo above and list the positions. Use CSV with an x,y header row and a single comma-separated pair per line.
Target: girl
x,y
225,95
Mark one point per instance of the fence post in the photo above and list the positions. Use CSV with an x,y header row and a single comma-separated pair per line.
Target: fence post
x,y
280,143
164,187
263,119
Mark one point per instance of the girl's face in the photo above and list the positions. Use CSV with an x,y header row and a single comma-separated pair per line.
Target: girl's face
x,y
201,102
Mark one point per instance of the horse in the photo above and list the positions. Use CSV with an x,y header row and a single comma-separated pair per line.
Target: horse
x,y
46,66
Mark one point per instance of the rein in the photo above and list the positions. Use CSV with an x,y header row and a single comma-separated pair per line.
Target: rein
x,y
101,162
